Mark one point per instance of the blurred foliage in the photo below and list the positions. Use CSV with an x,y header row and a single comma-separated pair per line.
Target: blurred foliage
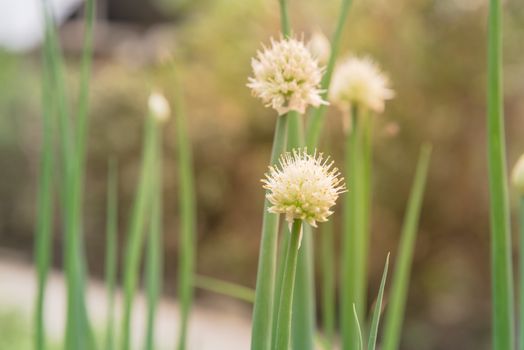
x,y
434,53
17,333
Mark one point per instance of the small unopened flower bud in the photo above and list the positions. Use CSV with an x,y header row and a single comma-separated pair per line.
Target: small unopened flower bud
x,y
158,106
360,82
286,77
517,177
319,47
304,186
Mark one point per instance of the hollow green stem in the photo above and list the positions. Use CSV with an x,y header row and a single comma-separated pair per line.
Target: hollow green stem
x,y
501,268
263,307
283,333
355,227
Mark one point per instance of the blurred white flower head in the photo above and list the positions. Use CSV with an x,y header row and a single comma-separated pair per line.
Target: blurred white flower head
x,y
22,21
286,77
517,176
158,106
359,81
303,186
319,46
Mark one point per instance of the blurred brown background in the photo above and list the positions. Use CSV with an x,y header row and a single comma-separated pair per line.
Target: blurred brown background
x,y
434,53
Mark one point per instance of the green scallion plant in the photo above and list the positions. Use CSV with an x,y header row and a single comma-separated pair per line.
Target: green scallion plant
x,y
358,89
314,187
71,146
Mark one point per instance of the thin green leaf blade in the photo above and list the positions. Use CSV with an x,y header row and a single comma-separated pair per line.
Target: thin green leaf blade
x,y
372,343
397,303
111,251
232,290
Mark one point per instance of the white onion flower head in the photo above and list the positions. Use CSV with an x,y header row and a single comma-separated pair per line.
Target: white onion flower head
x,y
286,77
319,46
303,186
158,106
517,176
359,81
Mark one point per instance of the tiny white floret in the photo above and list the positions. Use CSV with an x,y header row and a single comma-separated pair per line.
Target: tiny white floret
x,y
303,186
286,77
360,82
517,176
158,106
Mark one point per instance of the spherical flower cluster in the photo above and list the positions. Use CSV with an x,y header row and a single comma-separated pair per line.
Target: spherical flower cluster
x,y
319,46
286,77
517,176
303,186
158,106
360,82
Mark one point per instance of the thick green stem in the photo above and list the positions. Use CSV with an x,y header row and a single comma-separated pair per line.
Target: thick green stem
x,y
501,268
263,307
303,326
279,278
283,334
355,228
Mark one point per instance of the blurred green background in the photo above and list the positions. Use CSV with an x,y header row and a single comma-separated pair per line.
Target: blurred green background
x,y
434,53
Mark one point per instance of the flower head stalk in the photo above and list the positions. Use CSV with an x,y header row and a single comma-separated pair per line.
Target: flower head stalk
x,y
286,77
304,186
359,81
